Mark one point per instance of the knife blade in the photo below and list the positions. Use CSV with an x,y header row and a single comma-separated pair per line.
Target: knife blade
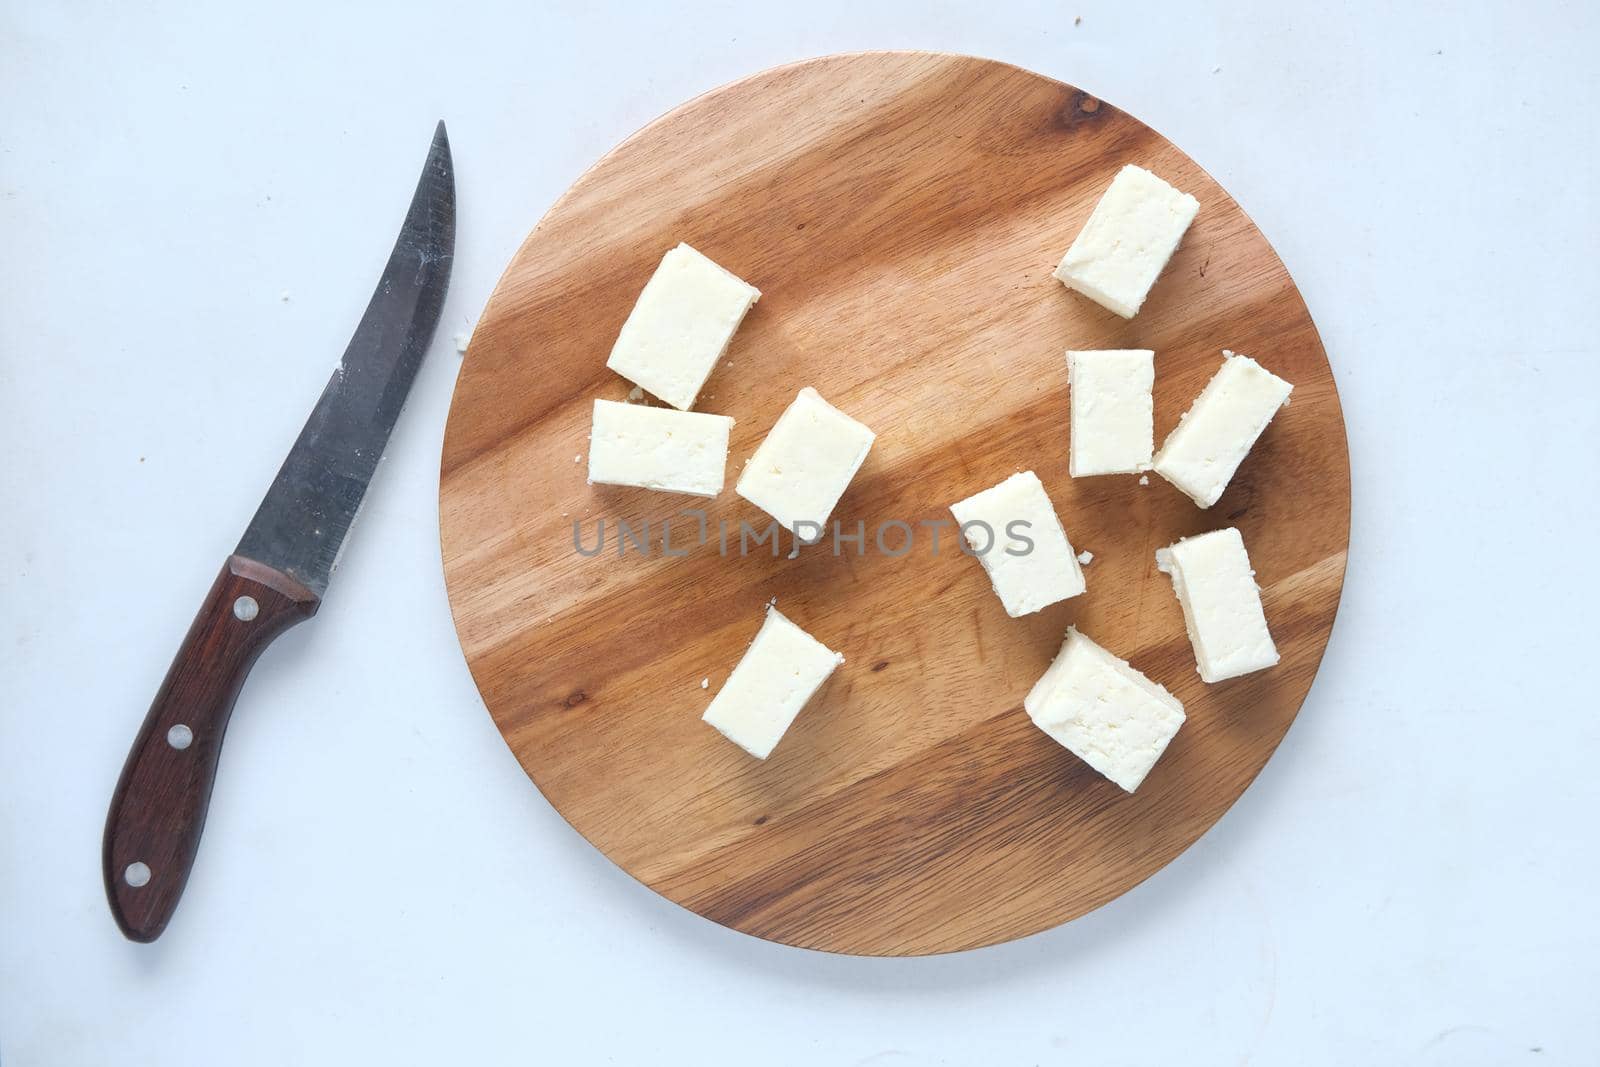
x,y
280,570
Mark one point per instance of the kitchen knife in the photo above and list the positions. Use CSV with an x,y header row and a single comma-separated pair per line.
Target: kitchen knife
x,y
279,572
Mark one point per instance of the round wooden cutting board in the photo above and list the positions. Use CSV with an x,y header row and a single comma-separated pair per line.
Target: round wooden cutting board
x,y
901,214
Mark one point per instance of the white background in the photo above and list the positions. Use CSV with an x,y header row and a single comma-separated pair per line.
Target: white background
x,y
1412,878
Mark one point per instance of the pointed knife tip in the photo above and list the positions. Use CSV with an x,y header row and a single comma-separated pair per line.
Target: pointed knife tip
x,y
440,150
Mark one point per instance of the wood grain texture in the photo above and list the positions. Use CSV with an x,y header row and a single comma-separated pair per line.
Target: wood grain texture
x,y
901,213
159,808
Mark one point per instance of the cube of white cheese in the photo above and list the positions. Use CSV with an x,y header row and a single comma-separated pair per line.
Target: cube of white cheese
x,y
1204,450
1129,237
658,448
801,470
1112,413
1112,717
681,326
1013,530
780,671
1221,604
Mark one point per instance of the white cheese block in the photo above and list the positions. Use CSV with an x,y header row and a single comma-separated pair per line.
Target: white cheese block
x,y
1204,450
1112,414
1129,237
802,468
680,327
658,448
1013,529
1221,604
1112,717
780,671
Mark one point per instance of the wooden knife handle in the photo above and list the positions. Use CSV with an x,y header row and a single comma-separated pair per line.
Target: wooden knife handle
x,y
159,808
